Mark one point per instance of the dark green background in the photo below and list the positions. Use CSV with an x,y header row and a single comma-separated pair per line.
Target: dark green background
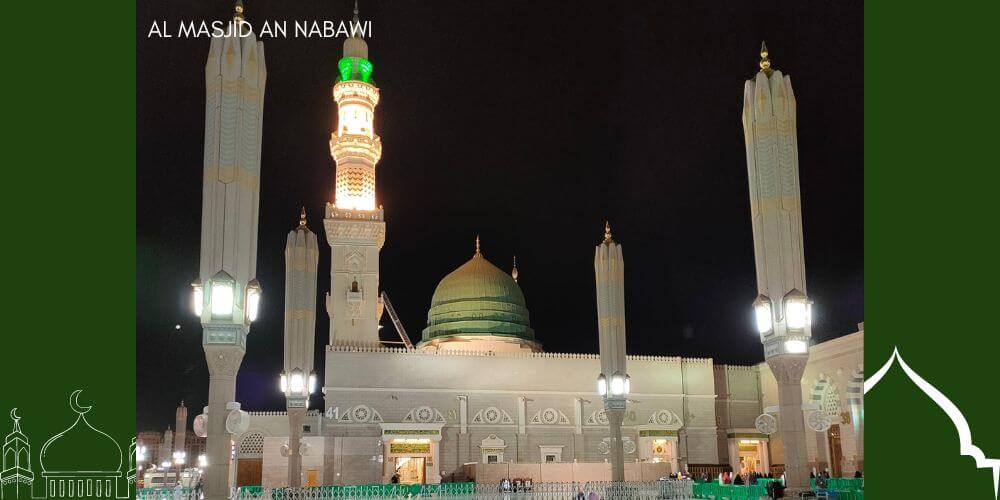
x,y
931,267
67,203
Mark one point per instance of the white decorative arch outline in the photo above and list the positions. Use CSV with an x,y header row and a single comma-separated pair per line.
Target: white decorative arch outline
x,y
966,447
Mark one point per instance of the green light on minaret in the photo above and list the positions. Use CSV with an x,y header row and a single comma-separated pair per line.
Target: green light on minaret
x,y
355,68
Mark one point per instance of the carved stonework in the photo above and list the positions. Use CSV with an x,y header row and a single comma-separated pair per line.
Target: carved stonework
x,y
598,417
665,418
424,415
340,232
788,369
549,416
492,415
223,361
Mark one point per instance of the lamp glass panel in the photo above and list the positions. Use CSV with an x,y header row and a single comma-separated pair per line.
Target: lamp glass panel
x,y
222,298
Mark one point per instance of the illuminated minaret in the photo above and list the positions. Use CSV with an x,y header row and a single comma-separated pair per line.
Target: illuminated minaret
x,y
298,380
355,226
782,308
226,294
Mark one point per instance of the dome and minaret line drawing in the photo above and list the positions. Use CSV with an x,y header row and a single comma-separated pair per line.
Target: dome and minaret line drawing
x,y
16,478
70,474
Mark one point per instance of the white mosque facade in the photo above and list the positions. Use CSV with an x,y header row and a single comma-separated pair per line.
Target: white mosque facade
x,y
478,397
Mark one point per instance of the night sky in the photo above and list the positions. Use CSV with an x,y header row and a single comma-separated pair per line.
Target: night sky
x,y
527,123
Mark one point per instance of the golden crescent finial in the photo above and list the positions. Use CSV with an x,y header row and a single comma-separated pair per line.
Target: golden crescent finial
x,y
238,8
765,63
477,245
607,231
302,218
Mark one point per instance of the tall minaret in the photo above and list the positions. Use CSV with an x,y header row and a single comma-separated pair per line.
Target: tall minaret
x,y
227,294
782,308
298,379
16,476
355,226
180,423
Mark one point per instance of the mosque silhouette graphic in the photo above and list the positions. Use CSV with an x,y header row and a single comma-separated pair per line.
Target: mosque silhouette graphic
x,y
67,472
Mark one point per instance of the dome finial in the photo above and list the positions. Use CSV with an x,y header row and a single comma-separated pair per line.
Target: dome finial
x,y
765,63
302,218
513,272
477,245
607,231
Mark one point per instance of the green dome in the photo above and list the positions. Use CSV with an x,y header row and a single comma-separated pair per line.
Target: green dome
x,y
478,299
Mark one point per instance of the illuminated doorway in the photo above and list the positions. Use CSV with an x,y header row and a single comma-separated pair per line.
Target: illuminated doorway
x,y
751,457
411,470
836,453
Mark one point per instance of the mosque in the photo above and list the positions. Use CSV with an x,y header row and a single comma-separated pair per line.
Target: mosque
x,y
477,397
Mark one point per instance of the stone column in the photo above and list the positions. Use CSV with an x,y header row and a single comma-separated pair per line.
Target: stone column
x,y
296,417
787,371
615,418
223,365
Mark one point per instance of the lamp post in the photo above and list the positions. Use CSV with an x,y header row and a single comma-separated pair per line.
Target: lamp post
x,y
225,295
298,380
613,383
179,458
782,310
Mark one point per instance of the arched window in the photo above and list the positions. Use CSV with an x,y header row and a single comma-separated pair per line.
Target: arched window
x,y
831,401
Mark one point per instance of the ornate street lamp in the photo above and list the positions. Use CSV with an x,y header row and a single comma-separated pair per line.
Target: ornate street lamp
x,y
613,382
197,297
253,299
764,314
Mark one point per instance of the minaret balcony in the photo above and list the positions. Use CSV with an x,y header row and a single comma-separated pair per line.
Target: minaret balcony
x,y
354,145
355,89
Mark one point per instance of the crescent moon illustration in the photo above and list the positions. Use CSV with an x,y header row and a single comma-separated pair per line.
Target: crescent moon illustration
x,y
74,402
13,415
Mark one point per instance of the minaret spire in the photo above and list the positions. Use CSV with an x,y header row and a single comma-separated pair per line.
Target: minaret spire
x,y
238,11
765,63
607,232
477,245
302,219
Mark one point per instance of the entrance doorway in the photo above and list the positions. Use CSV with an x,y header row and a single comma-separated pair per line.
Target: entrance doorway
x,y
750,456
411,470
836,453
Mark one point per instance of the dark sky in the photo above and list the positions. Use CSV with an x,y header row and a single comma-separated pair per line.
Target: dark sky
x,y
528,123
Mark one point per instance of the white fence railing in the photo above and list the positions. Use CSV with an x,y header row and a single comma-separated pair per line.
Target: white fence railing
x,y
630,490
